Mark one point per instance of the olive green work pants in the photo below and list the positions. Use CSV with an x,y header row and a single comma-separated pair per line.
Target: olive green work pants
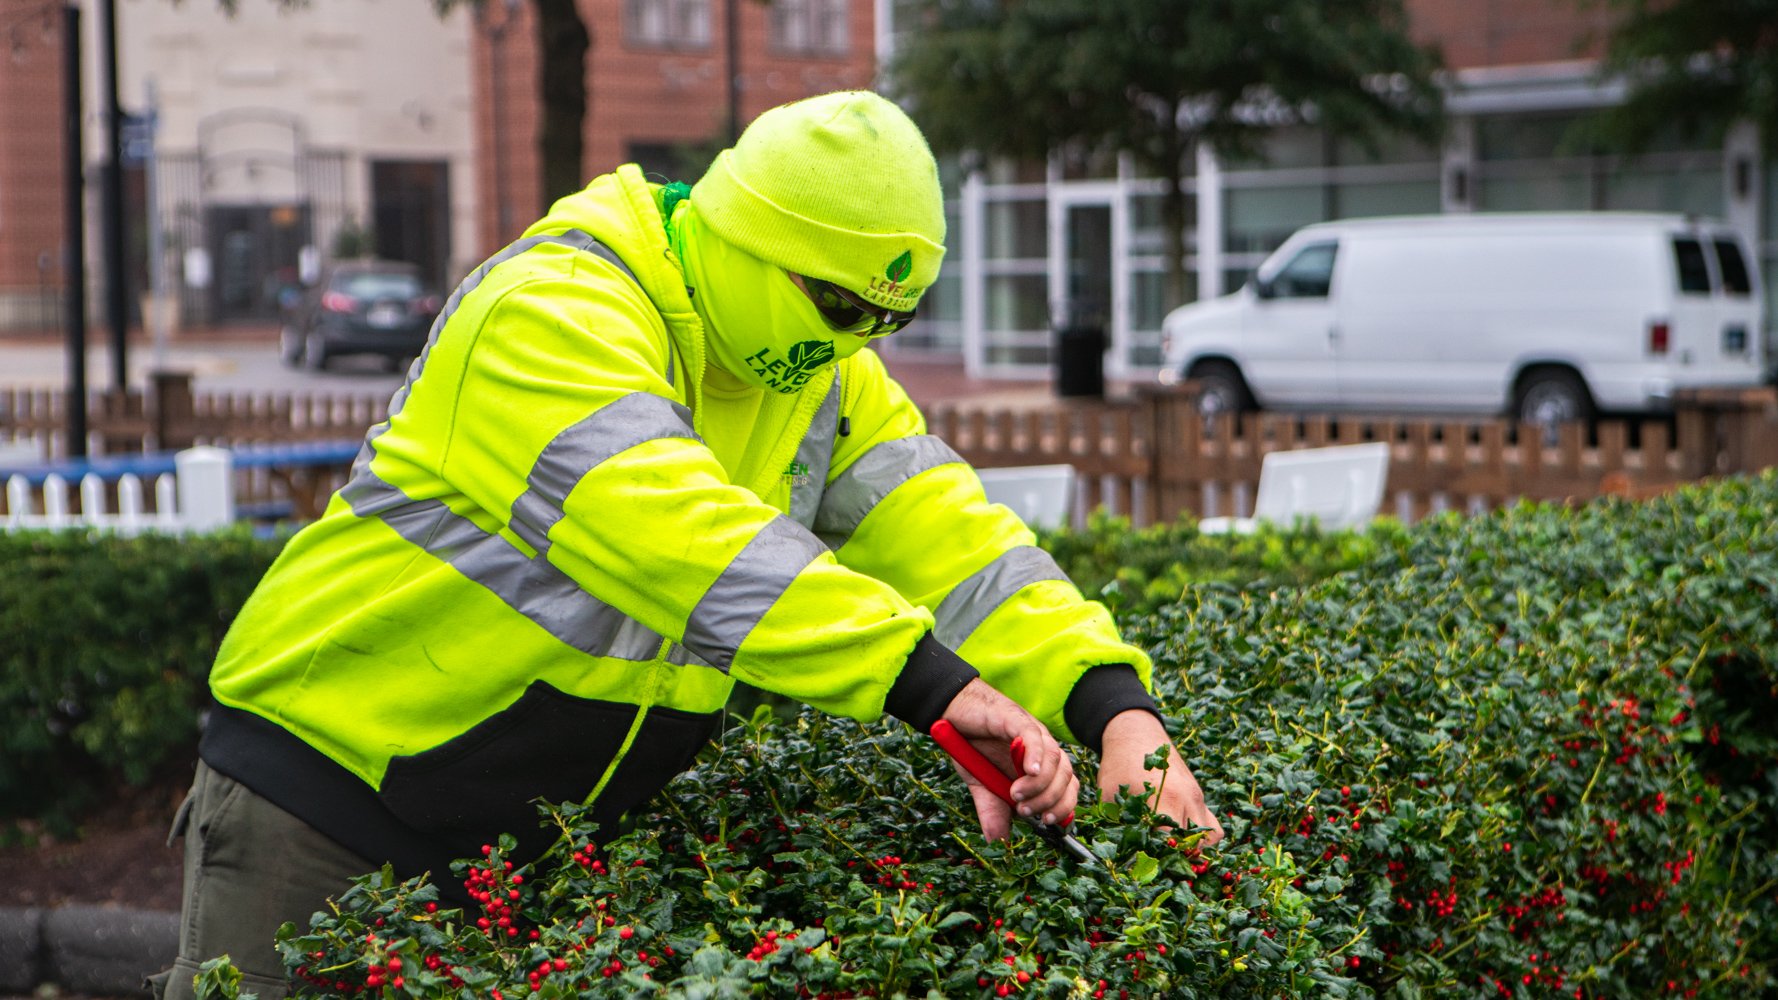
x,y
249,867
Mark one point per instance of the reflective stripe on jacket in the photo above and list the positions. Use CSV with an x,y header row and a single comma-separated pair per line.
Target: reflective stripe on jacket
x,y
541,583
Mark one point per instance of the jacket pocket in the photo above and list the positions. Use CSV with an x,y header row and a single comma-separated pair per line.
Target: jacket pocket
x,y
547,745
666,744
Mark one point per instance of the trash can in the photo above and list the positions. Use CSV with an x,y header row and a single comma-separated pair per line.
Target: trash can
x,y
1080,359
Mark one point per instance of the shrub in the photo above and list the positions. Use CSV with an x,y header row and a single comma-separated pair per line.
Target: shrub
x,y
1528,754
108,642
1136,570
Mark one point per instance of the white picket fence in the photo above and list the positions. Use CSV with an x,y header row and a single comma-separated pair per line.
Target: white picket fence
x,y
198,495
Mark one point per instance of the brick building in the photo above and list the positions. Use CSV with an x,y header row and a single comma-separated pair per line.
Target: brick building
x,y
658,85
281,135
31,182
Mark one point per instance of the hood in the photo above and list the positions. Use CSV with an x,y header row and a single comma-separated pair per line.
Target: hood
x,y
1222,314
623,211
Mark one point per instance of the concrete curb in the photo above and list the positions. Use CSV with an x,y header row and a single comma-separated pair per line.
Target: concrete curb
x,y
85,949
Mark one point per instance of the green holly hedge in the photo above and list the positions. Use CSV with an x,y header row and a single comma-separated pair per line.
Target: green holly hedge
x,y
1523,755
105,642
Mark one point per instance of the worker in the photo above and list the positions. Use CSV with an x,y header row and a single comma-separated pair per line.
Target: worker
x,y
645,455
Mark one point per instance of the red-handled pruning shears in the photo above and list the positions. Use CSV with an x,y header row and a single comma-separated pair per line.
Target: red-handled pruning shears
x,y
964,753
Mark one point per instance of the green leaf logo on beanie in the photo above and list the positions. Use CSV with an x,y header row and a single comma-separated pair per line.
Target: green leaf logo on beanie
x,y
900,266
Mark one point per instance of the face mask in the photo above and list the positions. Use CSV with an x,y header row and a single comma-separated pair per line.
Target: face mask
x,y
763,329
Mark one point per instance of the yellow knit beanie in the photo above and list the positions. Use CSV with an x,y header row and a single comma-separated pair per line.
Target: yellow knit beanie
x,y
840,187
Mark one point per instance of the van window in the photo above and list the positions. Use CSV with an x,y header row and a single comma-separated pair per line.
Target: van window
x,y
1308,275
1694,274
1733,268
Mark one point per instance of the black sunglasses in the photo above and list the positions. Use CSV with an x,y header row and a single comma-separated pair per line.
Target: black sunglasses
x,y
846,313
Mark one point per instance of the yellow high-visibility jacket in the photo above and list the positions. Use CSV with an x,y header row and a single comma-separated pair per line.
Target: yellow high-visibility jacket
x,y
542,582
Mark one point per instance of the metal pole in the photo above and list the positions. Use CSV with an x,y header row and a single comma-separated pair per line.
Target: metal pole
x,y
116,283
733,54
74,238
157,267
497,90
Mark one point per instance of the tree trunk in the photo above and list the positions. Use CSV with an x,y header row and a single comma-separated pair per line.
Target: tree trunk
x,y
1173,221
562,41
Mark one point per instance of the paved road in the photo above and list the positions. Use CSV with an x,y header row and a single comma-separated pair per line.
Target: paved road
x,y
247,361
241,363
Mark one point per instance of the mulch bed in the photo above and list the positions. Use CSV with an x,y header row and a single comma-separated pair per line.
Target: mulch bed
x,y
120,858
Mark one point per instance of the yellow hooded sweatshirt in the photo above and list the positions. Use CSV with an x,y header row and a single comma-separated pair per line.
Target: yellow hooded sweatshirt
x,y
559,552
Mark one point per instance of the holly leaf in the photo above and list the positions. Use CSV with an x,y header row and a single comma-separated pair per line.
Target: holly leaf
x,y
1144,868
1158,758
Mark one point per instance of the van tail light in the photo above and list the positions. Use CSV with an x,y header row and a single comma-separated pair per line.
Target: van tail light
x,y
1657,338
338,302
427,305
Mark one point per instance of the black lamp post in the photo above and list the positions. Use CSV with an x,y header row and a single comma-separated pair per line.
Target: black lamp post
x,y
73,211
116,282
74,239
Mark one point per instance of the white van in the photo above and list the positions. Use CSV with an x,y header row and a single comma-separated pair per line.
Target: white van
x,y
1544,316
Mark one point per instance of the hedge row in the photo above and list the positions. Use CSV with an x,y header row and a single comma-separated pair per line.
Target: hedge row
x,y
105,644
1524,755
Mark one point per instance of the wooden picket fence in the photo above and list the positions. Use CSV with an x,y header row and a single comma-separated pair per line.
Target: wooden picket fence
x,y
1151,457
169,417
1154,456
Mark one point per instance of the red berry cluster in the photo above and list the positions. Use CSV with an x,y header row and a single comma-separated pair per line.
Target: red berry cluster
x,y
891,874
766,945
496,888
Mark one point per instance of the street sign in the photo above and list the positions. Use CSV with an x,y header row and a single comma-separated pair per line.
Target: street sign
x,y
136,138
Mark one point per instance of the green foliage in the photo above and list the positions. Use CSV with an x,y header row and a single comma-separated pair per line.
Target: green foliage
x,y
108,642
1528,754
1153,77
1698,66
1147,76
1136,570
352,240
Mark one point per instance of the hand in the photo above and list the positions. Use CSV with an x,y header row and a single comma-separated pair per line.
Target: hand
x,y
1047,790
1132,736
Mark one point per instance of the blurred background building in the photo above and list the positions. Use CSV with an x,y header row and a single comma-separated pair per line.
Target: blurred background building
x,y
285,137
1524,72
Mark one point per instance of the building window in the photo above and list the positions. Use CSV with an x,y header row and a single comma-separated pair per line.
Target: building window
x,y
809,27
673,23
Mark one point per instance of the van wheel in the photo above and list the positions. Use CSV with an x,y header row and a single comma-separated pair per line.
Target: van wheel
x,y
1548,399
1221,389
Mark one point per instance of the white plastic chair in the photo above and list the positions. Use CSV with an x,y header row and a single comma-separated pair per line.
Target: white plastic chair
x,y
1042,495
1339,487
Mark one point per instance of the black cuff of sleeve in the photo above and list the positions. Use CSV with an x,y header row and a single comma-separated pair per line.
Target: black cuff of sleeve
x,y
1100,694
931,677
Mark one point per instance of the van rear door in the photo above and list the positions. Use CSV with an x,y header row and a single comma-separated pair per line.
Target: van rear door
x,y
1693,323
1738,347
1714,334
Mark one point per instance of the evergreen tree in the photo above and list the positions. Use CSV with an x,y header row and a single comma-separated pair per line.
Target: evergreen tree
x,y
1020,78
1696,65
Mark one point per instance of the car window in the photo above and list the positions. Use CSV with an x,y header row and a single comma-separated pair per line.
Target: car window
x,y
1308,275
378,286
1733,268
1694,274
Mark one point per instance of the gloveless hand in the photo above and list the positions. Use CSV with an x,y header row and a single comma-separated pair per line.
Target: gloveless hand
x,y
1046,790
1129,738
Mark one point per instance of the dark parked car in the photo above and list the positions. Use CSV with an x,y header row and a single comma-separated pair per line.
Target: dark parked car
x,y
360,307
